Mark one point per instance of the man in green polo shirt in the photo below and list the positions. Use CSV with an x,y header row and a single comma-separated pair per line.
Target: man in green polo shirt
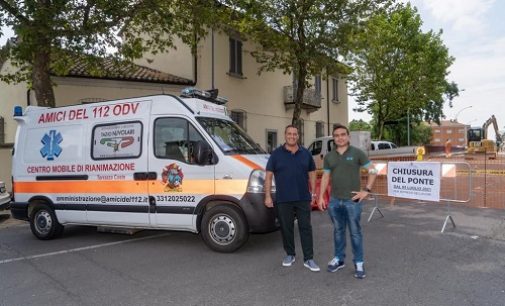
x,y
343,165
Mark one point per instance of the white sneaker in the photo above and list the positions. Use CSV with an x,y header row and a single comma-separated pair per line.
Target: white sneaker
x,y
311,265
288,261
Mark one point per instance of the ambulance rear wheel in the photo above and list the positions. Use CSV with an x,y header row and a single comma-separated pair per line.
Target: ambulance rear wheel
x,y
44,224
224,228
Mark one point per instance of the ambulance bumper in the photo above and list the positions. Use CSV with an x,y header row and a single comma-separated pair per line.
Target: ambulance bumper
x,y
260,218
19,211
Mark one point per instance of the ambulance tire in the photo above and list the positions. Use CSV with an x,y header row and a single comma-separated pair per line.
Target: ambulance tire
x,y
224,228
44,224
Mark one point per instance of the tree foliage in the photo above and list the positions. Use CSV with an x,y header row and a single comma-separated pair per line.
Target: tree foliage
x,y
50,34
359,125
418,133
302,37
401,71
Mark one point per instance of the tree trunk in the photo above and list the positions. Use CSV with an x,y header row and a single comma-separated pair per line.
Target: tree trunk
x,y
381,129
300,89
41,78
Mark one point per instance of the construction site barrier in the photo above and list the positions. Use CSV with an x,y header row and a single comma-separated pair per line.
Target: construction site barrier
x,y
455,178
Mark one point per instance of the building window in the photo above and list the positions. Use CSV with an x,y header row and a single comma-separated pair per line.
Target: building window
x,y
317,85
319,129
449,131
240,118
436,131
235,57
334,83
271,140
436,140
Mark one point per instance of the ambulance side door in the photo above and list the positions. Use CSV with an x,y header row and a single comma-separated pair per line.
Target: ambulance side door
x,y
181,183
117,170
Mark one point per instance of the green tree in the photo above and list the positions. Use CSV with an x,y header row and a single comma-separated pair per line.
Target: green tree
x,y
302,37
420,133
51,34
359,125
4,54
399,70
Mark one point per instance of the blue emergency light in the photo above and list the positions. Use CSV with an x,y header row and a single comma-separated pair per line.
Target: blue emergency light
x,y
18,111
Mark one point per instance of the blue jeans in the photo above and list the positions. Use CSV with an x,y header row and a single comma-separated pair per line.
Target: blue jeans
x,y
345,213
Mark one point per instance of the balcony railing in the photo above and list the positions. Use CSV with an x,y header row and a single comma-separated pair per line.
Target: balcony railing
x,y
311,98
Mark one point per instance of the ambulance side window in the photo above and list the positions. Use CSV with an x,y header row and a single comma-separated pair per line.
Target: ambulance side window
x,y
174,138
117,140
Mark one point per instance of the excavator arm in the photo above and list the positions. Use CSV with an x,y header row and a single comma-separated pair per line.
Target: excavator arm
x,y
484,145
491,120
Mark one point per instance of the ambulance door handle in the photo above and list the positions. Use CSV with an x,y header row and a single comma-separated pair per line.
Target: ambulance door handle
x,y
227,177
152,204
152,176
144,176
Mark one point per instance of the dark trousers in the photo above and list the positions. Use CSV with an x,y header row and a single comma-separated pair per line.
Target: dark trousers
x,y
286,215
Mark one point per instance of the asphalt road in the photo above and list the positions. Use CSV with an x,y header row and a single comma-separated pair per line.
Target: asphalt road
x,y
408,261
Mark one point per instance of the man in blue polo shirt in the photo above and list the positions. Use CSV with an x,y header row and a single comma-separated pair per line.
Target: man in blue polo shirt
x,y
293,169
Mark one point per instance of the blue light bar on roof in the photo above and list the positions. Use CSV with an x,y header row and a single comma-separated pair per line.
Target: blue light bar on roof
x,y
211,96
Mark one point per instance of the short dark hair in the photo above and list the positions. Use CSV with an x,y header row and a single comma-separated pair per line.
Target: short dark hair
x,y
290,126
340,126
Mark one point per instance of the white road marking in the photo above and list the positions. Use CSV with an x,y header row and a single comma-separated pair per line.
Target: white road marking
x,y
96,246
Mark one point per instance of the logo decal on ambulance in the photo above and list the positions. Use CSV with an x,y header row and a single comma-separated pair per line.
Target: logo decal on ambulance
x,y
172,177
117,142
51,142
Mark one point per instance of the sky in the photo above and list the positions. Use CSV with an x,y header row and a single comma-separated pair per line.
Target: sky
x,y
473,31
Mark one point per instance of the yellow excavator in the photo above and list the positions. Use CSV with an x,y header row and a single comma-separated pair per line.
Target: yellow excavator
x,y
478,142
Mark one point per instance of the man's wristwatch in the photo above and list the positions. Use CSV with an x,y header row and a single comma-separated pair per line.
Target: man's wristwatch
x,y
368,190
314,195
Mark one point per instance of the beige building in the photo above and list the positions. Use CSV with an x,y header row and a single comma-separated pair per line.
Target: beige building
x,y
448,129
261,104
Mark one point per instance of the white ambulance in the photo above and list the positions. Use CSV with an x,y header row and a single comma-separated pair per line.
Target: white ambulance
x,y
156,162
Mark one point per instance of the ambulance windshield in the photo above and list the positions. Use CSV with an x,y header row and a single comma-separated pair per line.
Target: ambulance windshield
x,y
229,136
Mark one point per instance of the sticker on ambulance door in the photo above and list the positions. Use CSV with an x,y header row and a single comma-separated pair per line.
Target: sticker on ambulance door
x,y
121,140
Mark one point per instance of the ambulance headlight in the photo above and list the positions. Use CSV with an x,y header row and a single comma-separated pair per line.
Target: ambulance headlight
x,y
257,181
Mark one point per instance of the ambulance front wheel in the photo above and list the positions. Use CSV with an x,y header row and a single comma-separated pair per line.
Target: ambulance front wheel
x,y
43,222
224,228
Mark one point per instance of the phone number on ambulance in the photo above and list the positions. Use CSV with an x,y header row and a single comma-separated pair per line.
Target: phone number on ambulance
x,y
175,198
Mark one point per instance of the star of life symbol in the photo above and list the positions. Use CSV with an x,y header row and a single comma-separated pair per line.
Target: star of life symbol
x,y
51,148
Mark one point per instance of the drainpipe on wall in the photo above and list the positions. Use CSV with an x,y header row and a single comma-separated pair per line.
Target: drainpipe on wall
x,y
195,72
195,62
328,103
212,61
28,102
